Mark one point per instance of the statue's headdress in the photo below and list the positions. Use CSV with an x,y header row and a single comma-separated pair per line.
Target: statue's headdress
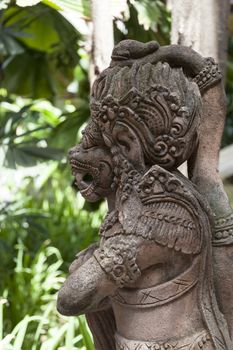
x,y
157,102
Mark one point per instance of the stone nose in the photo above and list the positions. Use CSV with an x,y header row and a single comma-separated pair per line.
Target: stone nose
x,y
73,150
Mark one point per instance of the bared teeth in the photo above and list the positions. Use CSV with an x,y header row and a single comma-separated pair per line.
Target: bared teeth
x,y
77,165
87,191
74,166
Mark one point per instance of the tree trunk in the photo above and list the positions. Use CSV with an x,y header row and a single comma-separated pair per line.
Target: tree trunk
x,y
102,41
202,25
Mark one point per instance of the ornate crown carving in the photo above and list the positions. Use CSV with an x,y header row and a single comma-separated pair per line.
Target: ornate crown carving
x,y
159,103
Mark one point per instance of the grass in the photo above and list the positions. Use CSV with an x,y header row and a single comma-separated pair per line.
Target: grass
x,y
34,285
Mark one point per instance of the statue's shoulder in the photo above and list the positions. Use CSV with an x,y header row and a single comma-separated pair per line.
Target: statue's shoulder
x,y
158,182
163,207
173,213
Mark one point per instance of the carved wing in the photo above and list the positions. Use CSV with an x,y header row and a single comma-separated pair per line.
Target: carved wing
x,y
168,213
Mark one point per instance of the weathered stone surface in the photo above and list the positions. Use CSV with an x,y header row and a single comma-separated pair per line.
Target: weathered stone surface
x,y
149,283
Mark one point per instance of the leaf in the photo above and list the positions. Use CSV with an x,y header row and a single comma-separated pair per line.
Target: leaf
x,y
49,113
9,160
80,7
9,45
87,340
30,24
43,152
20,331
46,61
36,38
148,13
30,155
135,30
33,79
65,134
52,343
52,4
69,339
27,2
44,321
10,122
4,4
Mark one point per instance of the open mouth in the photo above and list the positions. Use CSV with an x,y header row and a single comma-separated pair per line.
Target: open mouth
x,y
84,178
87,185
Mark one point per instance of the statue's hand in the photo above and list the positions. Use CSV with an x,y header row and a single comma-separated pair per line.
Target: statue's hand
x,y
85,290
82,257
132,49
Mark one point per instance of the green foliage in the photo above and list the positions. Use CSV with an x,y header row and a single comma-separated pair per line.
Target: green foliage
x,y
22,147
32,131
35,324
80,7
147,20
46,61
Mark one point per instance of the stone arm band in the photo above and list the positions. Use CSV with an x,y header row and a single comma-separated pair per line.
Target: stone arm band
x,y
117,257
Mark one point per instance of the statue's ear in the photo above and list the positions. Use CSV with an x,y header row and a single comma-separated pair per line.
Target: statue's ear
x,y
129,144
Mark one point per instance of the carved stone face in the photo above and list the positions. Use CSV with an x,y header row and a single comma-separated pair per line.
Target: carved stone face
x,y
93,171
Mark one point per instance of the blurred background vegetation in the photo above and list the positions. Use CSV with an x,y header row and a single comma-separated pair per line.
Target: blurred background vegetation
x,y
44,104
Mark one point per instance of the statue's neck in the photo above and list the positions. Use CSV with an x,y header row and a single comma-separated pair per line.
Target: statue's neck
x,y
111,199
127,176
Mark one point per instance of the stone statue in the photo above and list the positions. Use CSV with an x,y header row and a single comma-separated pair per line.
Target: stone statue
x,y
161,276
